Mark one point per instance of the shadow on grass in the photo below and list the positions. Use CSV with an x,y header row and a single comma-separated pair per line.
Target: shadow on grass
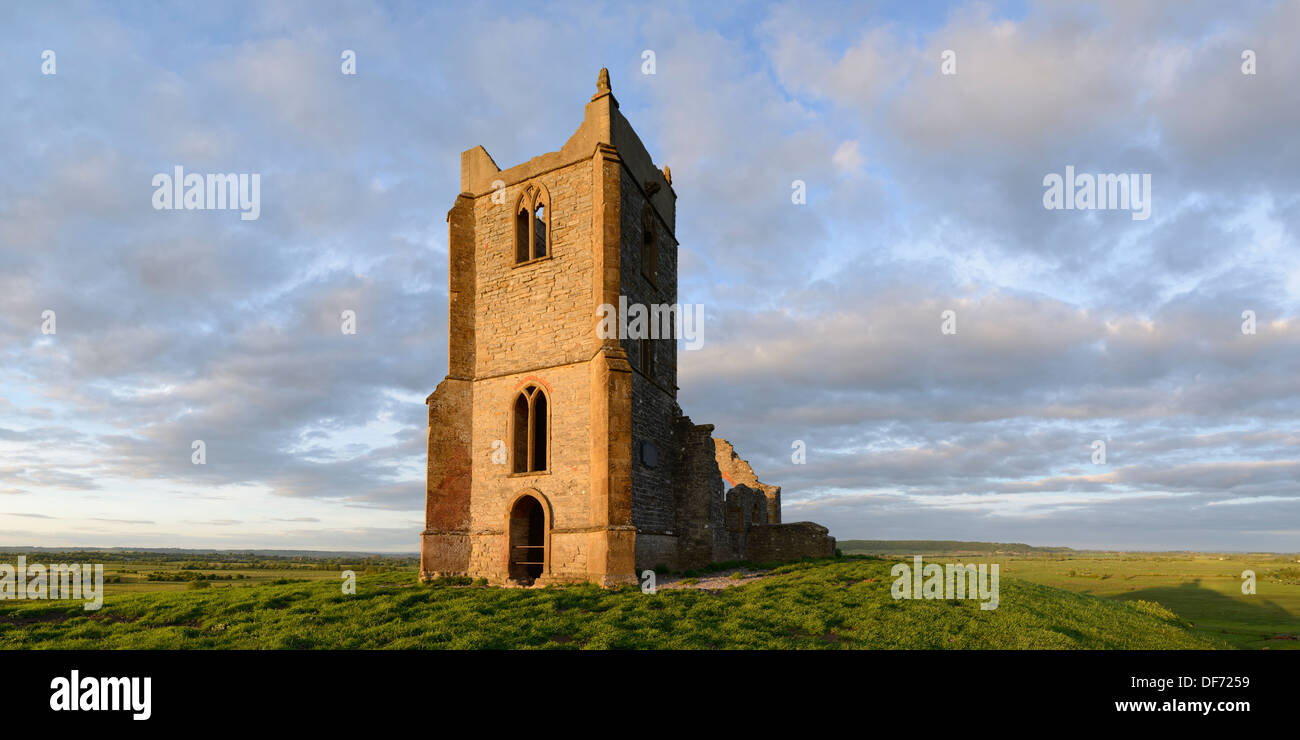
x,y
1256,621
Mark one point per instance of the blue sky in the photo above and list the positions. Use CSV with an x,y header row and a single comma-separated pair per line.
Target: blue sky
x,y
924,195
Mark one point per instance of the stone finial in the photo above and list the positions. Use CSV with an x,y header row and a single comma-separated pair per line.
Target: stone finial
x,y
602,81
668,175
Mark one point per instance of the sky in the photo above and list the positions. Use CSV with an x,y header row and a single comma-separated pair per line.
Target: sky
x,y
823,319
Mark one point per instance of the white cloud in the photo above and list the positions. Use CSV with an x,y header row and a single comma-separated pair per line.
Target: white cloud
x,y
848,157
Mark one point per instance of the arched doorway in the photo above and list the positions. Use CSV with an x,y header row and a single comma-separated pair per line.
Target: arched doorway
x,y
527,539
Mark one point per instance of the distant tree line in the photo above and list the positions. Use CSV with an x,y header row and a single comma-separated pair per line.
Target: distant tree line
x,y
189,575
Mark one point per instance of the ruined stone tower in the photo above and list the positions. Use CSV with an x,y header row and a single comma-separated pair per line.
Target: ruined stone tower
x,y
557,454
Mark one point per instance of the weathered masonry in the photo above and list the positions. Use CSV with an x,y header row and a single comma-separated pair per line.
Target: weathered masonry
x,y
555,454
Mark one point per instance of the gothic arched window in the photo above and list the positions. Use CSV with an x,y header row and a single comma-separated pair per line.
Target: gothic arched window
x,y
532,224
648,357
649,247
529,429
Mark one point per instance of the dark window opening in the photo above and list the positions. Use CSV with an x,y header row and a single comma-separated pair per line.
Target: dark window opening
x,y
648,357
539,232
529,430
539,432
532,225
521,236
527,539
649,247
520,432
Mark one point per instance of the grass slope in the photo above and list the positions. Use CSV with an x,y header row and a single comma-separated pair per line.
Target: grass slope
x,y
1203,590
843,603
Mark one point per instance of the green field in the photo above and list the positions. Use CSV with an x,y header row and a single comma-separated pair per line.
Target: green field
x,y
837,603
137,571
1204,589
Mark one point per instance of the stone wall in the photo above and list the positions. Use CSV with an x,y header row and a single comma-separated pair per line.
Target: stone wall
x,y
653,468
539,313
746,507
462,288
736,472
654,405
637,215
743,508
654,551
444,547
777,543
697,496
564,483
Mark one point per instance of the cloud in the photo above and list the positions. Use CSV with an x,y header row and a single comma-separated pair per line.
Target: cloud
x,y
924,195
848,157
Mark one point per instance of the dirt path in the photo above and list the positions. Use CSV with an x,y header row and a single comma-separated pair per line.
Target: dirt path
x,y
711,581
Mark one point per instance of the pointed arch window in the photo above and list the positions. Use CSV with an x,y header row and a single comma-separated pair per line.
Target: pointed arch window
x,y
529,431
532,224
648,357
649,246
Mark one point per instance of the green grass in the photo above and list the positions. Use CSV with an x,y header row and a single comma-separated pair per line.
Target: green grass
x,y
843,603
129,571
1203,590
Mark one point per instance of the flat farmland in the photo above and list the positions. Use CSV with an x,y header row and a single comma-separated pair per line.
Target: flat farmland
x,y
1204,589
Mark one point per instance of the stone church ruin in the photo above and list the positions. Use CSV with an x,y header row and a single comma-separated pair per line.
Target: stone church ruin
x,y
557,454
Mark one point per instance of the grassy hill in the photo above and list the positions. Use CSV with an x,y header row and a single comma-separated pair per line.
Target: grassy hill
x,y
842,603
1204,590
